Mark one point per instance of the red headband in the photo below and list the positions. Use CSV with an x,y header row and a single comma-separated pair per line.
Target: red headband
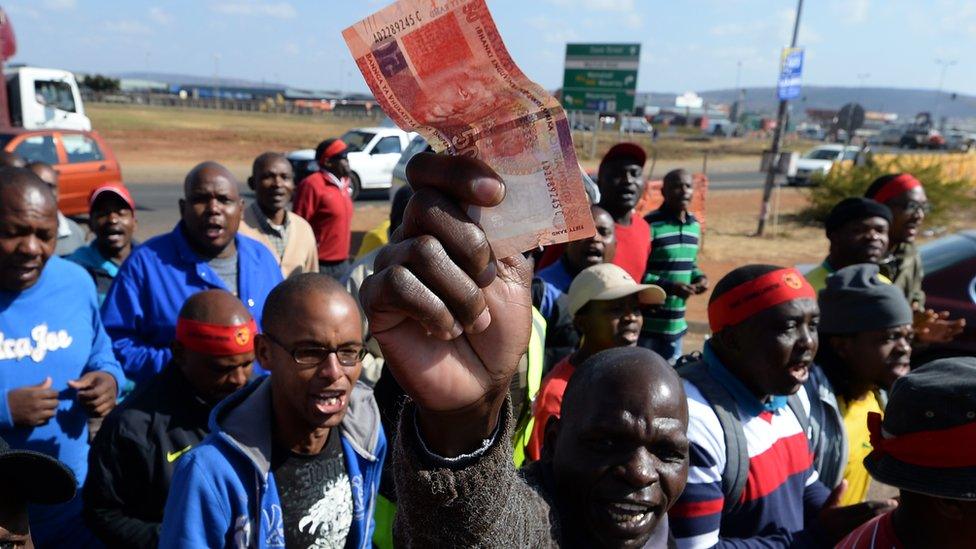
x,y
901,183
214,339
943,448
335,148
750,298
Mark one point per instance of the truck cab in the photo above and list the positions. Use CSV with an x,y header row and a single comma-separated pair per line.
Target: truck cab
x,y
44,98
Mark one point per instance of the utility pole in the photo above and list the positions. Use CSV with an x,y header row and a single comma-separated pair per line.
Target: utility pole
x,y
777,137
945,64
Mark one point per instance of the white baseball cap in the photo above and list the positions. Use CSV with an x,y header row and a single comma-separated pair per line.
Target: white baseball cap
x,y
607,281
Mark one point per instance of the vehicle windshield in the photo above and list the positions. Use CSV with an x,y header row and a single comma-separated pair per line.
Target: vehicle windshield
x,y
357,140
821,154
947,251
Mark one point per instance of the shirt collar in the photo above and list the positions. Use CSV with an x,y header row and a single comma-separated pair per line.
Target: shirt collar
x,y
742,395
186,253
265,222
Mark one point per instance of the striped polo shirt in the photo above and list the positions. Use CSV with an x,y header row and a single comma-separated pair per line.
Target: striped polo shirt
x,y
782,485
673,259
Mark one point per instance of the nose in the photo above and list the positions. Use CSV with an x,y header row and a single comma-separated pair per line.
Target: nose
x,y
30,246
238,377
330,367
807,338
639,470
904,345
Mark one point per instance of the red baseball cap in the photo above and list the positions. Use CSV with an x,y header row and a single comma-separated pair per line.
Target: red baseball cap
x,y
626,150
116,188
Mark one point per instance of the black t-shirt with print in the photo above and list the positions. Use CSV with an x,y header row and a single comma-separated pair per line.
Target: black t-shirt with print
x,y
315,495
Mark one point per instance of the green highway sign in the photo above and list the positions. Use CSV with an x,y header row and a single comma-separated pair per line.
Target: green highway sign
x,y
600,77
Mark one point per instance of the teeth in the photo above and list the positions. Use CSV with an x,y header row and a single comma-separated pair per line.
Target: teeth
x,y
627,513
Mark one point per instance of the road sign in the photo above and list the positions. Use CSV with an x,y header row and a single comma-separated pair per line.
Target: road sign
x,y
689,100
850,117
790,70
600,77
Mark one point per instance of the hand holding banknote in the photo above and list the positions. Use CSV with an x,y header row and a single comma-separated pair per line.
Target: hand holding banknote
x,y
439,67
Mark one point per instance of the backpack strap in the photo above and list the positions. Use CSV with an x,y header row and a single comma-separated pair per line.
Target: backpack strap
x,y
800,412
736,470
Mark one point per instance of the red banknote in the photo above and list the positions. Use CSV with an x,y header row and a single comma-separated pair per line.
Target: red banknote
x,y
439,67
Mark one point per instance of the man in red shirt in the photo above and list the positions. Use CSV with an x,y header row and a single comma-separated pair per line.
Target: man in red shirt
x,y
926,447
605,304
621,182
324,201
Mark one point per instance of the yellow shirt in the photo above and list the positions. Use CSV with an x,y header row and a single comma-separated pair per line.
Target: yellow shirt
x,y
855,416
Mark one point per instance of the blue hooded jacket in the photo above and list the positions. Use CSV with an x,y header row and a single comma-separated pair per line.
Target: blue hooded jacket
x,y
223,493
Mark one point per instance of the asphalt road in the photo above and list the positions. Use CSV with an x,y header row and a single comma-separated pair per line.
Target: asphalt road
x,y
157,209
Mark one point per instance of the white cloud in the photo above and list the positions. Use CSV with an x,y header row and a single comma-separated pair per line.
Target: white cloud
x,y
59,5
552,32
850,11
17,10
278,10
160,15
127,27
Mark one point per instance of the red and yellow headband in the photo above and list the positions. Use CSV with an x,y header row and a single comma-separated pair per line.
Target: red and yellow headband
x,y
940,448
899,184
214,339
755,296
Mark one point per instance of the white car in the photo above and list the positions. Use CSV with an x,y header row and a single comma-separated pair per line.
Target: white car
x,y
373,152
819,160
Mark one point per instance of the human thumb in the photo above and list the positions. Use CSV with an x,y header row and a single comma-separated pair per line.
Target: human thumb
x,y
46,384
77,383
833,500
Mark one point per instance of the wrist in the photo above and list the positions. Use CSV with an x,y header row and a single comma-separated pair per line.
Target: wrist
x,y
455,433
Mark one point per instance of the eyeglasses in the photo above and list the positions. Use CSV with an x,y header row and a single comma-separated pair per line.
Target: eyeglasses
x,y
912,207
312,355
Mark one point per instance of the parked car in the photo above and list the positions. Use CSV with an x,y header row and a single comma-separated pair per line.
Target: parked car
x,y
818,161
399,178
957,140
921,138
950,285
635,124
373,152
890,136
82,159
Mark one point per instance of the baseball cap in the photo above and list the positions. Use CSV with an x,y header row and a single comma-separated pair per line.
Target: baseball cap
x,y
330,148
116,188
607,281
35,477
625,150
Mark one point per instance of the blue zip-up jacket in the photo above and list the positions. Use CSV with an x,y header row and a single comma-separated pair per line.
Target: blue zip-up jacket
x,y
141,307
53,329
223,492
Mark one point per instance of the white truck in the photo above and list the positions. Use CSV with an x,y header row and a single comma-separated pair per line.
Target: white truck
x,y
44,98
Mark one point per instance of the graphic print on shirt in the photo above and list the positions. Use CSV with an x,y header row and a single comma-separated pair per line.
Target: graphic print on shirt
x,y
275,527
37,346
326,521
316,495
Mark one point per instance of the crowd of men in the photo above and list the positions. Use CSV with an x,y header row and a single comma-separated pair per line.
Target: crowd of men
x,y
241,381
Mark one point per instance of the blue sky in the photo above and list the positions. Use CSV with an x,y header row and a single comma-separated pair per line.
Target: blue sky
x,y
687,45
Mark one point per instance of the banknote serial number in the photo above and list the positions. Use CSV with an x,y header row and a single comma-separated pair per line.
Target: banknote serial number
x,y
398,26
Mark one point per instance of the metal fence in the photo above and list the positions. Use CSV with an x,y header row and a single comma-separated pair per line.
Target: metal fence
x,y
266,105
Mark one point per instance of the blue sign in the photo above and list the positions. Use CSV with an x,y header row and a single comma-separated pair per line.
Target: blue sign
x,y
790,70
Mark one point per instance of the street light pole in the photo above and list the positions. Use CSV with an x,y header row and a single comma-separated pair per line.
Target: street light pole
x,y
945,64
777,137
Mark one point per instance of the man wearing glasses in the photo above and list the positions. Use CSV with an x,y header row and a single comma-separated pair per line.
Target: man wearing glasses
x,y
905,197
294,459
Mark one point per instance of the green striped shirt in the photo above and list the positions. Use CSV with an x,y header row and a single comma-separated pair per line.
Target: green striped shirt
x,y
673,260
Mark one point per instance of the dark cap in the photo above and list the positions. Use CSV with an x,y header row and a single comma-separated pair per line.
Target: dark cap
x,y
857,299
625,150
35,477
926,442
855,209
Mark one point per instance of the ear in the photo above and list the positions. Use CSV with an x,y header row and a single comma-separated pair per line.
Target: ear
x,y
262,351
250,182
182,204
550,439
579,322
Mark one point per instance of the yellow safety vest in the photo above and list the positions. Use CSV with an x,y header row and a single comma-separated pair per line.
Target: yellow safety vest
x,y
536,358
